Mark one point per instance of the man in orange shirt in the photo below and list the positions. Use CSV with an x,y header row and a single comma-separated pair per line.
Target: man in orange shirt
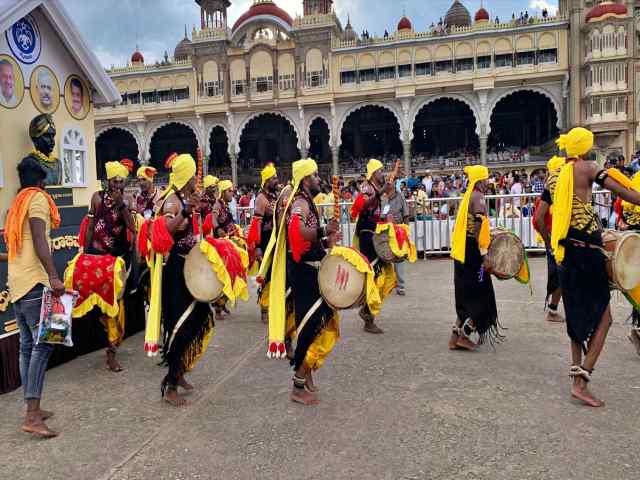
x,y
31,268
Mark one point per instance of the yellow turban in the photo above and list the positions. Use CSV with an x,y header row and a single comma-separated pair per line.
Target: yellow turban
x,y
267,172
372,167
116,169
301,169
578,142
146,172
210,181
555,163
475,173
183,169
635,182
224,185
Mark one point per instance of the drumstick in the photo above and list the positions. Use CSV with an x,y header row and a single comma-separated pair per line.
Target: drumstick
x,y
336,199
200,170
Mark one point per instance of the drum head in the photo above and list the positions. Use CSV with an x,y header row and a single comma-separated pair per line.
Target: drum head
x,y
202,282
383,249
341,284
506,254
626,263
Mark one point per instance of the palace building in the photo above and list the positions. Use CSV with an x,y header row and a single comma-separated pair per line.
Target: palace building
x,y
471,87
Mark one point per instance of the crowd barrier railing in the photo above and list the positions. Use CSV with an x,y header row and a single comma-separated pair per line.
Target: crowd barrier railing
x,y
432,221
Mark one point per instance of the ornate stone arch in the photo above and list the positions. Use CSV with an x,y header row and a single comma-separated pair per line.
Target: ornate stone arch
x,y
453,96
307,127
124,128
245,122
209,130
157,126
541,90
358,106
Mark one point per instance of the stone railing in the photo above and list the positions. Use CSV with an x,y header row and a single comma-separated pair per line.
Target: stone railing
x,y
172,63
316,20
476,27
209,34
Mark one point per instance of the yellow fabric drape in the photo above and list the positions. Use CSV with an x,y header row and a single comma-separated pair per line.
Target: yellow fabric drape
x,y
484,239
323,344
475,173
152,331
562,207
276,257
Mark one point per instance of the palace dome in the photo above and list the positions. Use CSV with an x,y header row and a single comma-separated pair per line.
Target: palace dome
x,y
137,57
604,10
404,24
482,15
183,49
263,7
349,33
457,16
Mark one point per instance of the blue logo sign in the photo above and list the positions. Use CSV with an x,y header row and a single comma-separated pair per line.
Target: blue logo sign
x,y
23,38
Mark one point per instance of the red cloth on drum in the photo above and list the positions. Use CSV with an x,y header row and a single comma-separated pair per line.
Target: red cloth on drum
x,y
401,235
230,256
195,220
94,274
548,219
161,239
357,206
207,226
299,246
143,238
253,236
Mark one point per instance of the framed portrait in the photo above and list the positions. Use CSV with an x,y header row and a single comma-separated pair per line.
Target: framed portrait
x,y
44,89
76,97
11,82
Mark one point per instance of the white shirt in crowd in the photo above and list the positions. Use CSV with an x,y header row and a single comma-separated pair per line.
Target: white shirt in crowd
x,y
516,189
428,184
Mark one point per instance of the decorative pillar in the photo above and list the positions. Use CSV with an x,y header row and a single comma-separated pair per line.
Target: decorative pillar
x,y
304,153
335,154
483,150
406,150
234,167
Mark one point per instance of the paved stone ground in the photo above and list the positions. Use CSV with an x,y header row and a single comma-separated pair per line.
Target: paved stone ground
x,y
397,406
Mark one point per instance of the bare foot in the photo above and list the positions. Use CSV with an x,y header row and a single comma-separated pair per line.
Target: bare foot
x,y
554,317
112,363
310,385
39,429
184,384
289,349
299,395
371,327
634,338
365,315
219,315
585,396
466,344
453,341
172,397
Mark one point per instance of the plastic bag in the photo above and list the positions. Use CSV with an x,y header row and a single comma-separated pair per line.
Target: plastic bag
x,y
55,318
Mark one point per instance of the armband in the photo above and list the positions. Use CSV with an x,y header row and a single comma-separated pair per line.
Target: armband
x,y
601,176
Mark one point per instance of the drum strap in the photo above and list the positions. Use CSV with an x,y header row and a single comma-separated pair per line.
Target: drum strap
x,y
581,244
182,319
309,314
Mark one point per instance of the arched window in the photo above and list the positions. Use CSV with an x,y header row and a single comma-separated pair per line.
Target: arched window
x,y
73,156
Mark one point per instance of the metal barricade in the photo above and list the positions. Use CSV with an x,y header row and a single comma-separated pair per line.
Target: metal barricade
x,y
432,223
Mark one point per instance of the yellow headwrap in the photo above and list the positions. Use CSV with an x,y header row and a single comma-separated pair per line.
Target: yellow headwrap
x,y
275,257
555,163
210,181
459,239
146,172
372,167
578,142
116,169
183,168
224,185
267,172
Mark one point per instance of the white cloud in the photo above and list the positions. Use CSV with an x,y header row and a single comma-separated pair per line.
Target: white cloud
x,y
542,4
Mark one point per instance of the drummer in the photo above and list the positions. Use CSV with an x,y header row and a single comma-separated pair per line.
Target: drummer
x,y
187,324
368,210
301,245
543,226
210,185
262,224
109,227
630,220
149,195
576,239
474,295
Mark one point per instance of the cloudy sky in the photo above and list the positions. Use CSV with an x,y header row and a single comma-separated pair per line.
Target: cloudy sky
x,y
112,27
